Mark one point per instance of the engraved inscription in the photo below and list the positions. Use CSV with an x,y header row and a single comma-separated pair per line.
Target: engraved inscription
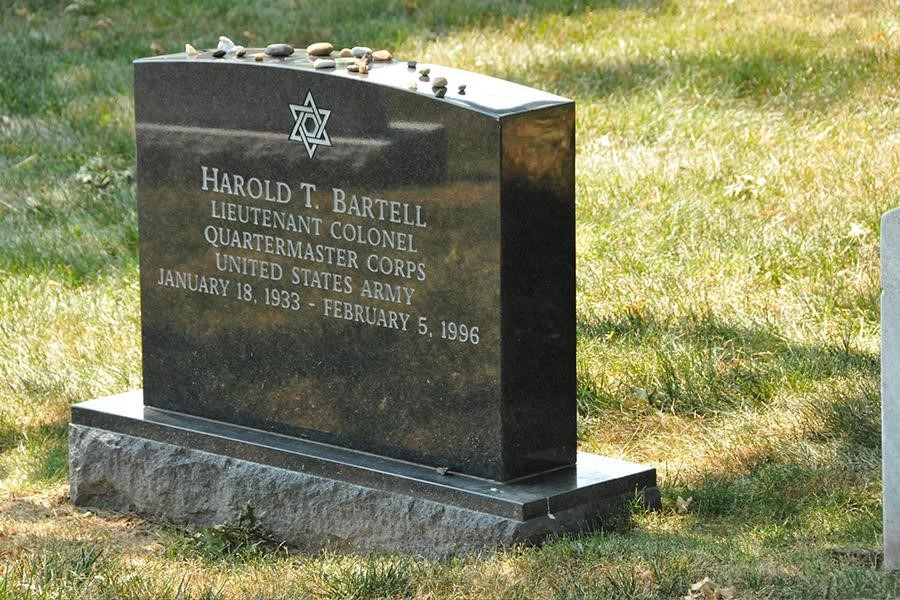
x,y
338,254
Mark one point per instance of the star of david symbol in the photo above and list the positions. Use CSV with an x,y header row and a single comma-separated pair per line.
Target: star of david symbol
x,y
309,124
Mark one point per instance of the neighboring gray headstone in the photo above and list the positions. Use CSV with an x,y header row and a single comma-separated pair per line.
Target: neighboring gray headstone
x,y
890,384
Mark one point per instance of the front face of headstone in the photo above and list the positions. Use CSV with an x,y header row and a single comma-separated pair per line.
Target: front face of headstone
x,y
349,261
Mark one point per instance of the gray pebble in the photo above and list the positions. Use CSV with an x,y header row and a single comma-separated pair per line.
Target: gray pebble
x,y
439,92
462,89
218,54
424,71
411,64
241,53
360,51
439,82
323,63
279,49
353,68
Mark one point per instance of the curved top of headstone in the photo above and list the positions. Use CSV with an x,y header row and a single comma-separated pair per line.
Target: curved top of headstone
x,y
483,93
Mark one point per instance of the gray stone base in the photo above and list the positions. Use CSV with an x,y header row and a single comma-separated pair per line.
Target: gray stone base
x,y
129,474
130,457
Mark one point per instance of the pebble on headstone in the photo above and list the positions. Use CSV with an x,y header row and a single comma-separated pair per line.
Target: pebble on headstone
x,y
218,53
319,49
360,51
323,63
279,50
439,82
382,55
190,50
439,91
363,68
462,89
259,56
225,44
240,51
410,64
353,68
345,53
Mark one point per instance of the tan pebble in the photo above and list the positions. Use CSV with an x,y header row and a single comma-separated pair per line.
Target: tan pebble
x,y
346,53
259,56
413,85
319,49
382,55
363,68
190,50
439,82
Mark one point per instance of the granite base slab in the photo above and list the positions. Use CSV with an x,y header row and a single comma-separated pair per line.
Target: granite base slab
x,y
129,458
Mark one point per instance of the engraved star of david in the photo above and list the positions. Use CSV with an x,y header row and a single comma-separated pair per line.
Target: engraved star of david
x,y
309,124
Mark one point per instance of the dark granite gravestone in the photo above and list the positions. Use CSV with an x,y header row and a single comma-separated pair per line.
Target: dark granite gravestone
x,y
350,279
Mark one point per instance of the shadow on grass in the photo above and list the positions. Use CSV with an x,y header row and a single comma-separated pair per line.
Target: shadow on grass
x,y
813,81
701,364
41,451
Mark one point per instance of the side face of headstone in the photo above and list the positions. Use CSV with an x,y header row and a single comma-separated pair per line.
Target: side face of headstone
x,y
339,258
890,384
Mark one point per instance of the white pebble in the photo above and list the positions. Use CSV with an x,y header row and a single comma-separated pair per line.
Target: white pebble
x,y
323,63
190,50
225,44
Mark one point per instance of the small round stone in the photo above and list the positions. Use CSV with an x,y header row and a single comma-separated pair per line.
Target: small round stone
x,y
462,89
190,50
319,49
345,53
323,63
363,68
353,68
218,54
411,64
279,49
413,85
360,51
382,55
259,56
240,51
424,71
439,92
439,82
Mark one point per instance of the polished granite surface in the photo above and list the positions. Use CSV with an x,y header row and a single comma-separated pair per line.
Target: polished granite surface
x,y
341,259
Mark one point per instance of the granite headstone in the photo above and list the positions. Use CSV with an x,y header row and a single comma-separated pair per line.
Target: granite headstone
x,y
359,277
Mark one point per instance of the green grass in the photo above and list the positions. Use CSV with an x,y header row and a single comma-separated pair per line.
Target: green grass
x,y
734,159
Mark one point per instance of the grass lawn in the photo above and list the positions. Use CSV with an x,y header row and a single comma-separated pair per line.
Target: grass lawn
x,y
734,158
